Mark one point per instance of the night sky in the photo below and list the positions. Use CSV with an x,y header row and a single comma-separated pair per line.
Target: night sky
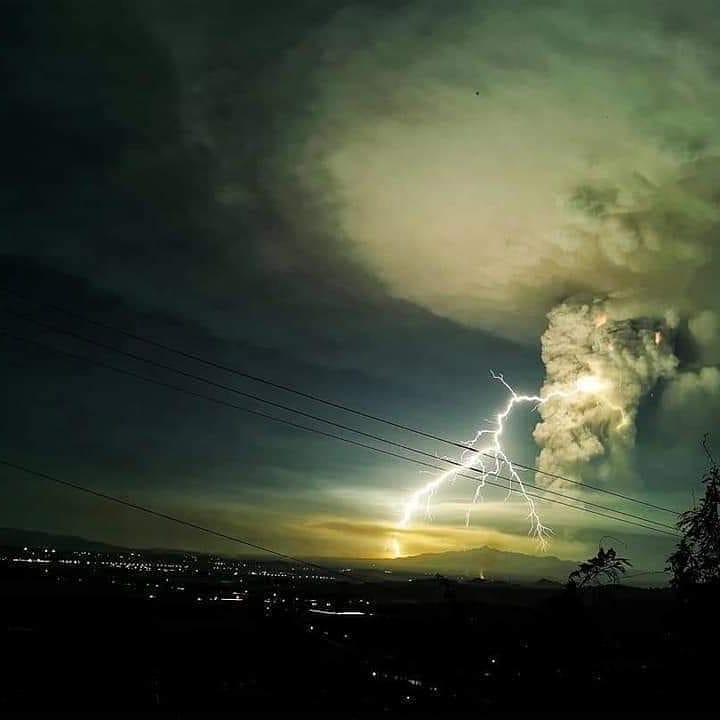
x,y
375,202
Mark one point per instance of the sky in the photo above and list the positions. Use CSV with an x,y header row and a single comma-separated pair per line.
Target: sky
x,y
380,203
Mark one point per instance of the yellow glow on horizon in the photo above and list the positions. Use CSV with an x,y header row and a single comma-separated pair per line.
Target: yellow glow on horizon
x,y
394,548
365,538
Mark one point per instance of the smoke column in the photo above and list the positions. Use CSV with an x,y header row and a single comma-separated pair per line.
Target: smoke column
x,y
627,357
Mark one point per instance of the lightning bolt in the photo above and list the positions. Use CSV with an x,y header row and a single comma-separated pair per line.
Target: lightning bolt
x,y
485,454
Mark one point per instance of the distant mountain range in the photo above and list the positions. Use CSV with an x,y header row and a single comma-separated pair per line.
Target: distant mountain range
x,y
491,563
13,537
487,562
16,538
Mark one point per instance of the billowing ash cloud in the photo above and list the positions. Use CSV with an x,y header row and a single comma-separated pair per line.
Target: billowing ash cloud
x,y
612,363
489,161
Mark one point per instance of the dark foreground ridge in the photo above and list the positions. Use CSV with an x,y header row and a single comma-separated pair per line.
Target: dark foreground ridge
x,y
129,630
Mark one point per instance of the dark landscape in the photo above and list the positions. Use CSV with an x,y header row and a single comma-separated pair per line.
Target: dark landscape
x,y
359,356
101,627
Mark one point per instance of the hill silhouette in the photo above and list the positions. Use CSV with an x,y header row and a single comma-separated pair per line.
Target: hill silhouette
x,y
15,537
489,562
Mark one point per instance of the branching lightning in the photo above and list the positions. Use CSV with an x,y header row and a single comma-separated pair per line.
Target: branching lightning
x,y
597,369
486,455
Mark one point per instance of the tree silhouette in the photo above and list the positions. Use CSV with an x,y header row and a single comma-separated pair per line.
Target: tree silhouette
x,y
696,561
606,564
447,586
683,566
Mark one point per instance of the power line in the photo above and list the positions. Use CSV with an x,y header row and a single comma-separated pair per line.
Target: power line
x,y
202,528
323,401
653,524
317,418
172,518
299,426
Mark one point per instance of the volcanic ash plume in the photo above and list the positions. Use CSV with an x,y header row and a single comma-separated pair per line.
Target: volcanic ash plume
x,y
616,362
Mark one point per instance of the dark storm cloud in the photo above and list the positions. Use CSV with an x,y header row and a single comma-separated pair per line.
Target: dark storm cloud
x,y
191,172
93,141
588,163
110,178
140,151
585,162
